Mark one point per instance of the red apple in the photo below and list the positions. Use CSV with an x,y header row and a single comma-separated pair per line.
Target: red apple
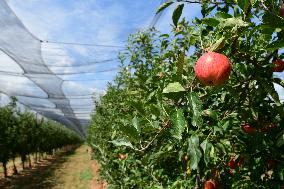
x,y
213,68
248,129
210,184
278,66
232,163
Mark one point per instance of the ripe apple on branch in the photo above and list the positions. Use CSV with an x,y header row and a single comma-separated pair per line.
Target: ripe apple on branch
x,y
213,68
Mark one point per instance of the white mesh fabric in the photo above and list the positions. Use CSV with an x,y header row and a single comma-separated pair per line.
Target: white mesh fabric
x,y
25,49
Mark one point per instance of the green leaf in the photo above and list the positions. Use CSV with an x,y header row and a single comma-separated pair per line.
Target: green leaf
x,y
98,148
210,21
122,142
211,113
173,88
178,124
206,9
233,22
253,2
223,15
180,63
206,147
276,45
195,105
149,127
164,6
155,110
138,106
244,4
217,129
278,81
219,44
280,140
269,88
194,152
135,122
226,125
221,147
131,132
281,174
177,13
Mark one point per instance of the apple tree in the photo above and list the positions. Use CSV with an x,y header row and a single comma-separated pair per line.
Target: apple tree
x,y
197,107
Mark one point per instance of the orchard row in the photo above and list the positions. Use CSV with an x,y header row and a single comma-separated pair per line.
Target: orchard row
x,y
22,134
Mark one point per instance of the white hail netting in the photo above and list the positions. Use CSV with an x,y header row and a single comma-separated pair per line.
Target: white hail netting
x,y
34,77
25,49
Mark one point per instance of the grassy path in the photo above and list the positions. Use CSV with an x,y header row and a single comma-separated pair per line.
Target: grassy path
x,y
73,170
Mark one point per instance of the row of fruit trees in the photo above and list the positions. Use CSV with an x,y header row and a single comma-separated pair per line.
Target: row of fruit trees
x,y
22,134
197,108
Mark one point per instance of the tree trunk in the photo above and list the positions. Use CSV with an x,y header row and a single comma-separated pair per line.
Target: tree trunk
x,y
23,161
30,162
36,157
15,168
23,164
5,169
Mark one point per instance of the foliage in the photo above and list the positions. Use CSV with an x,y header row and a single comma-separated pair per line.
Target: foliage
x,y
157,112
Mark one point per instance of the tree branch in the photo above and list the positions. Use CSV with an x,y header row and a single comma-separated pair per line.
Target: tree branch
x,y
200,2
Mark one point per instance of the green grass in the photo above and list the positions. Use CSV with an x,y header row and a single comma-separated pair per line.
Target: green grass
x,y
86,174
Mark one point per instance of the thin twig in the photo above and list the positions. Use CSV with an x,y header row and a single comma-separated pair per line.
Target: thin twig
x,y
158,133
263,5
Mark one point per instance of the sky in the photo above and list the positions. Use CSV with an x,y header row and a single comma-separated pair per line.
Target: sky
x,y
100,22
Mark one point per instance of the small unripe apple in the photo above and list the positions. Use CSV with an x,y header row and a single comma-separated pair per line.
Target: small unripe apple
x,y
278,66
161,74
122,156
213,68
185,157
210,184
208,112
178,29
248,129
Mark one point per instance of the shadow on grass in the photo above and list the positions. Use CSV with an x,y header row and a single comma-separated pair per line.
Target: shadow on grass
x,y
39,177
